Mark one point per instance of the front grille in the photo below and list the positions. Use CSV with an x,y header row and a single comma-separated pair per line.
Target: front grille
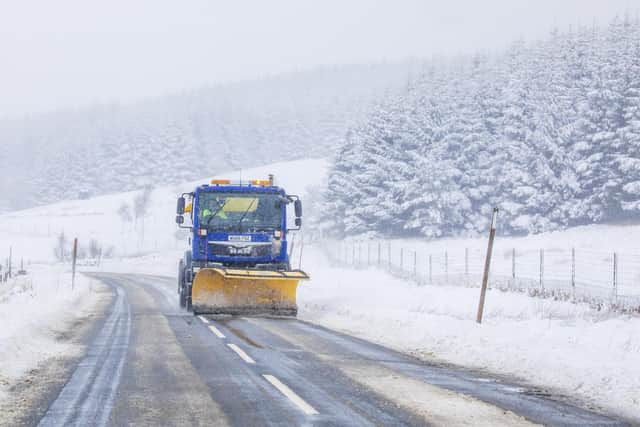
x,y
253,251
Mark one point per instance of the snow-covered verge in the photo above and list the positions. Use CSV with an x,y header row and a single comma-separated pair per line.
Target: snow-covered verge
x,y
599,264
566,348
36,312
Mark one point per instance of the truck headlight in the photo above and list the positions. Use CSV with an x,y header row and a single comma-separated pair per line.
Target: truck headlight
x,y
276,246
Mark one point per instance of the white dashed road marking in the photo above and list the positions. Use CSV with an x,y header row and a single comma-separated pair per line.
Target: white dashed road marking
x,y
291,395
216,331
244,356
204,319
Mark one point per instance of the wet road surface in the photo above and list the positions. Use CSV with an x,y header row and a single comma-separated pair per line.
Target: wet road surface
x,y
151,363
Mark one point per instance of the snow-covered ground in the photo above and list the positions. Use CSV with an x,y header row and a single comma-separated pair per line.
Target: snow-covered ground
x,y
36,311
566,347
596,262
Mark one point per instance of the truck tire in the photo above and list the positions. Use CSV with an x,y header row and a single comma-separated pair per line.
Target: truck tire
x,y
188,264
188,298
183,300
180,275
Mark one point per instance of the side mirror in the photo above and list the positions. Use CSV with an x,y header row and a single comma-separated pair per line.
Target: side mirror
x,y
298,222
179,219
180,208
297,206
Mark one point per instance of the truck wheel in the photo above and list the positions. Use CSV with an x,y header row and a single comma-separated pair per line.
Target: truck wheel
x,y
183,300
180,275
188,298
187,260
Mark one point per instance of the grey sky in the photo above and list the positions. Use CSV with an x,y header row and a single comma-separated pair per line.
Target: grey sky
x,y
65,53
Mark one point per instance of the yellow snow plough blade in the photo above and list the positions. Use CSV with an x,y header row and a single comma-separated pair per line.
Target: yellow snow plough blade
x,y
246,292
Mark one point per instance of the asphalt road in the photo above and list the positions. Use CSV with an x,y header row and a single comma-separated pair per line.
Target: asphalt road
x,y
150,363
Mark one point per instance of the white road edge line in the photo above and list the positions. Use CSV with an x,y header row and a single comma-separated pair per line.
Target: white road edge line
x,y
244,356
204,319
216,331
291,395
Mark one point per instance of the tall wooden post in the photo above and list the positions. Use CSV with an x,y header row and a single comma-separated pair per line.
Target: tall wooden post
x,y
487,265
542,270
10,261
615,275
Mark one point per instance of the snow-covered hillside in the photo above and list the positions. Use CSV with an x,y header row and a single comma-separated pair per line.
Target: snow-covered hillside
x,y
547,131
93,151
35,233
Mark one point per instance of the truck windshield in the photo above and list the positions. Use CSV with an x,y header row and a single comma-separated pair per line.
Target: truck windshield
x,y
240,211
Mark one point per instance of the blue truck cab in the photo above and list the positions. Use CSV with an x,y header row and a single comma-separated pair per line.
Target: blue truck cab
x,y
235,225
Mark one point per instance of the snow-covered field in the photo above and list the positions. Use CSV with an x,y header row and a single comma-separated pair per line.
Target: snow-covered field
x,y
566,347
598,263
33,233
35,312
560,346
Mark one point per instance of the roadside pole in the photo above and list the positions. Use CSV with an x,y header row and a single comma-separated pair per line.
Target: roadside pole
x,y
487,265
73,266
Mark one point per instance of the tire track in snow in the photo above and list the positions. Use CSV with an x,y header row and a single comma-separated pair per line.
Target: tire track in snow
x,y
87,398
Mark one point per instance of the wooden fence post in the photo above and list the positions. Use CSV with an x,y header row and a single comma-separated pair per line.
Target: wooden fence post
x,y
542,269
615,275
73,266
573,272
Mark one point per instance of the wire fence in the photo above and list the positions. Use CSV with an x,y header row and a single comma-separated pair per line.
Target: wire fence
x,y
604,280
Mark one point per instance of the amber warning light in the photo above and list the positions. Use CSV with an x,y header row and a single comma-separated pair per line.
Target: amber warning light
x,y
220,181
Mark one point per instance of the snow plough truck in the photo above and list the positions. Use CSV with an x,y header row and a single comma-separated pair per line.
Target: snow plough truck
x,y
238,261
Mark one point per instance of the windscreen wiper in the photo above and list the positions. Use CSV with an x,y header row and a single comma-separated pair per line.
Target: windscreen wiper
x,y
216,212
239,224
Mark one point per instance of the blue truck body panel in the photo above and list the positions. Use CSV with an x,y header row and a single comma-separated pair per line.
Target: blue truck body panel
x,y
203,247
